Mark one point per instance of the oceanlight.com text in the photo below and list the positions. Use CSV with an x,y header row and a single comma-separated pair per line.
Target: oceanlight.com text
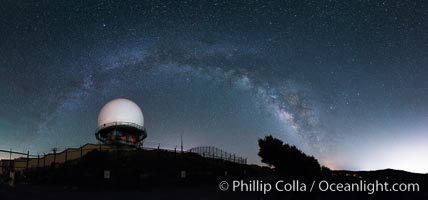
x,y
322,186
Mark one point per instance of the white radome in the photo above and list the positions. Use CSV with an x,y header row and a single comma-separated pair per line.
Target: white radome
x,y
120,111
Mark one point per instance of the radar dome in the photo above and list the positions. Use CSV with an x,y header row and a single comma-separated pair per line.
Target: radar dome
x,y
120,111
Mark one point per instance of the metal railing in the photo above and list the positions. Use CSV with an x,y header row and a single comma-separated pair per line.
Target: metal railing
x,y
216,153
120,124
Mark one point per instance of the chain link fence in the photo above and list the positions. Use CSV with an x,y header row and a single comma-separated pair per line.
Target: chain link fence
x,y
14,161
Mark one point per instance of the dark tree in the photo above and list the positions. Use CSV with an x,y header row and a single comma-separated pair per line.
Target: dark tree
x,y
288,161
270,149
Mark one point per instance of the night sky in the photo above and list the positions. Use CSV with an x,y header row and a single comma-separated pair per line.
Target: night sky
x,y
345,81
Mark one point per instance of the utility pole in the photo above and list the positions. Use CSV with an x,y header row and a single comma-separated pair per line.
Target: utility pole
x,y
28,159
54,153
181,136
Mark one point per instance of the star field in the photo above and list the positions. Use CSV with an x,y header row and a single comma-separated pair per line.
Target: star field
x,y
344,81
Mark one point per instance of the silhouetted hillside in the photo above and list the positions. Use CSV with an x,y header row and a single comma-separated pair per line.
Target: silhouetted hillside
x,y
390,175
142,167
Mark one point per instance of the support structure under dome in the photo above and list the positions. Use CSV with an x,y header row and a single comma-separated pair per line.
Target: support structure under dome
x,y
121,133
